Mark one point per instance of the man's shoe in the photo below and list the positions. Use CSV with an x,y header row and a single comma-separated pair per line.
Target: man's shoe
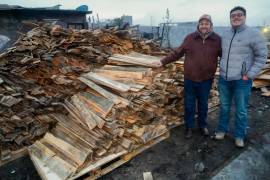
x,y
204,131
188,133
219,135
239,142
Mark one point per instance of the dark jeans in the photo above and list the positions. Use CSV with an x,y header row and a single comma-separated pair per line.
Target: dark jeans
x,y
239,91
196,92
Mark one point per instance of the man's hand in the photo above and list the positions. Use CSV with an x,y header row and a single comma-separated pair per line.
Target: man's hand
x,y
245,77
157,64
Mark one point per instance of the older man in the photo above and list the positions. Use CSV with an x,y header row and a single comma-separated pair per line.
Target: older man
x,y
244,54
201,50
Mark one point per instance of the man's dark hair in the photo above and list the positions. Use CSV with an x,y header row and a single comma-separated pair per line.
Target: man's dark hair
x,y
239,8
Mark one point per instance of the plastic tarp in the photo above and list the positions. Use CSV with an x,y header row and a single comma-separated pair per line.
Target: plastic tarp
x,y
3,41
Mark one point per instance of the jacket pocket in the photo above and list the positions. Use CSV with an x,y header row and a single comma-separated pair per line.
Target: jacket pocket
x,y
244,68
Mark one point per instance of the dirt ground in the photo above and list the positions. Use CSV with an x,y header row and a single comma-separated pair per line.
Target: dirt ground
x,y
176,157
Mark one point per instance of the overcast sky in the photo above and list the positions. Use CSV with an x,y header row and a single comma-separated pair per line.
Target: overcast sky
x,y
258,11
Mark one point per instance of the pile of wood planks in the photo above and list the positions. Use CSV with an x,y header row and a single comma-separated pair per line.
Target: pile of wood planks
x,y
41,71
262,81
127,105
22,116
92,102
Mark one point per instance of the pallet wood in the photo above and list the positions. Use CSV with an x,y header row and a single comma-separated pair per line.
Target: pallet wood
x,y
105,93
44,157
97,103
109,161
150,108
15,155
107,82
91,119
148,62
70,151
122,160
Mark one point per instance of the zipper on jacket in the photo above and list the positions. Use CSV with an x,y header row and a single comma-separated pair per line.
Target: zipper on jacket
x,y
228,57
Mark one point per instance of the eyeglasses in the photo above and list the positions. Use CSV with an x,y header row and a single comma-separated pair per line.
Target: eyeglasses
x,y
237,15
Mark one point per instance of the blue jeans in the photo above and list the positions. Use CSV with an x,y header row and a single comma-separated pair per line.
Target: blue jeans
x,y
196,91
239,91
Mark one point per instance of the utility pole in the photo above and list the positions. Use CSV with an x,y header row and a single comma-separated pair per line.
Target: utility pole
x,y
151,24
89,22
93,22
165,37
98,21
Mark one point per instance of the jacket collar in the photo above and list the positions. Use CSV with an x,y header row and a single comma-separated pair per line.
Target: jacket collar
x,y
240,28
197,35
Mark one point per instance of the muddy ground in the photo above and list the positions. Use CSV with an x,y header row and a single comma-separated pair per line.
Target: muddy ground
x,y
176,157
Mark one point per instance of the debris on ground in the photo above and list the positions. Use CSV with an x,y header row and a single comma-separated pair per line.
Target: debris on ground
x,y
147,176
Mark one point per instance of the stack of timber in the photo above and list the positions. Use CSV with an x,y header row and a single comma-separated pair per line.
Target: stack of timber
x,y
22,114
82,101
126,106
40,71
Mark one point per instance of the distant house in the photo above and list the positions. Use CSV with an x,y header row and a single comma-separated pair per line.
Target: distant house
x,y
127,19
13,19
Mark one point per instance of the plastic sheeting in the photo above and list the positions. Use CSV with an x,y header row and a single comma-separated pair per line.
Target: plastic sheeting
x,y
3,41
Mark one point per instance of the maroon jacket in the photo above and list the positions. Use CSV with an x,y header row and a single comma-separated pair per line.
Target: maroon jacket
x,y
200,56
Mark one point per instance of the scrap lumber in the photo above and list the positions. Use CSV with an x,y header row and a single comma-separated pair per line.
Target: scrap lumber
x,y
262,81
147,114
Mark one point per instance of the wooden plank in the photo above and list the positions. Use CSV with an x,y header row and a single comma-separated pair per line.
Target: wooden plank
x,y
105,81
99,163
69,131
148,132
15,155
100,173
145,71
77,130
267,94
145,56
91,119
131,82
69,150
116,99
43,170
264,76
84,112
134,61
47,162
74,112
60,132
145,146
119,74
99,104
41,151
95,138
124,159
258,83
144,59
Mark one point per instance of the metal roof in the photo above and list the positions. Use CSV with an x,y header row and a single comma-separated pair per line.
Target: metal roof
x,y
54,9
